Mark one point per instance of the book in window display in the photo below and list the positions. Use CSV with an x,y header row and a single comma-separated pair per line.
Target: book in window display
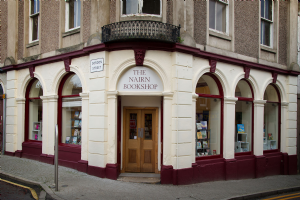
x,y
205,144
74,140
199,146
241,128
199,135
76,114
204,134
76,123
67,140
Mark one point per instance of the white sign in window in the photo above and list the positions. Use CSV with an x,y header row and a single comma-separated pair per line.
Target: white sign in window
x,y
97,65
140,79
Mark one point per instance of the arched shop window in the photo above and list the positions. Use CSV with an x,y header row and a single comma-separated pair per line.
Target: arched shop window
x,y
33,111
244,117
69,110
209,105
272,118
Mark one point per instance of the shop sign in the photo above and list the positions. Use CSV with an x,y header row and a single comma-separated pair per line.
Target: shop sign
x,y
97,65
132,124
140,79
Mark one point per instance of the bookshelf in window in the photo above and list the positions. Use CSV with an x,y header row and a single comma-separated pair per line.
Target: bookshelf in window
x,y
37,131
202,139
75,135
241,144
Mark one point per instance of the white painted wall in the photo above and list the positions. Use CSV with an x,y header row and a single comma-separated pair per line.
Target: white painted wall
x,y
179,74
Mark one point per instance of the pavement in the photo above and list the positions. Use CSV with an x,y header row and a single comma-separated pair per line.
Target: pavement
x,y
77,185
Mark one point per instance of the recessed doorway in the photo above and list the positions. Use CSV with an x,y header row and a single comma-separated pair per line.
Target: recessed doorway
x,y
140,129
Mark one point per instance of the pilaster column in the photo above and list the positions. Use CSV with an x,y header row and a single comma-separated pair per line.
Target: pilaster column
x,y
283,129
20,122
112,127
167,140
84,126
45,121
52,121
228,127
194,100
258,127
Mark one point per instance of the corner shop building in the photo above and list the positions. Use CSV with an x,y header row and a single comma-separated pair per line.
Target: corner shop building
x,y
140,113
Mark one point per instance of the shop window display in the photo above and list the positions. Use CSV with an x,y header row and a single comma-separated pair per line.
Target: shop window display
x,y
34,110
71,112
243,117
271,119
208,117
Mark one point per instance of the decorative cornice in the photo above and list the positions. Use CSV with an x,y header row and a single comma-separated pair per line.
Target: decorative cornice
x,y
149,45
112,94
230,100
31,70
213,65
247,71
261,102
195,96
139,55
20,100
67,63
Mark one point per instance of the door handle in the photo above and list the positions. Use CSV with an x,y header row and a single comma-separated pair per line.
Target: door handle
x,y
142,133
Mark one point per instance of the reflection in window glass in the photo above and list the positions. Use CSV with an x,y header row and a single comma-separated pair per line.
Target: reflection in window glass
x,y
217,15
133,124
208,118
148,126
71,121
271,126
72,86
141,7
35,119
35,111
243,125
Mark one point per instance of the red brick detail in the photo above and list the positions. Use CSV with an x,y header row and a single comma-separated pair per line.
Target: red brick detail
x,y
274,75
247,71
67,63
213,65
31,70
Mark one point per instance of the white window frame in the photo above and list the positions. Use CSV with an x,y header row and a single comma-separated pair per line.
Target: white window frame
x,y
271,26
226,2
31,21
140,14
67,16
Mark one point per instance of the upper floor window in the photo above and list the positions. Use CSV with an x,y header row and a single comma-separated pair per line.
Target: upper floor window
x,y
73,12
218,15
266,22
141,7
34,20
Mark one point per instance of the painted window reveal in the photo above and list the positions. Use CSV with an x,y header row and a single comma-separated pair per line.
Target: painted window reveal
x,y
141,7
71,111
34,20
73,12
218,15
243,117
208,117
271,119
266,22
35,110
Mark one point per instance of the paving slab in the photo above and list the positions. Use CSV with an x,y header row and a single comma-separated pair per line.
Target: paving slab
x,y
77,185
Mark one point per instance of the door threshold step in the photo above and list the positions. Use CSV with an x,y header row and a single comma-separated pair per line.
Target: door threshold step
x,y
148,180
140,175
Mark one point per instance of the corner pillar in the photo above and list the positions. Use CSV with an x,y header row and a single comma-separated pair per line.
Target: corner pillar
x,y
112,127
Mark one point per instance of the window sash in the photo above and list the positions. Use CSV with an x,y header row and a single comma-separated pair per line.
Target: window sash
x,y
148,7
217,15
73,14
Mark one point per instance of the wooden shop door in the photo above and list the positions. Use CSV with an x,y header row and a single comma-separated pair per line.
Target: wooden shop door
x,y
140,140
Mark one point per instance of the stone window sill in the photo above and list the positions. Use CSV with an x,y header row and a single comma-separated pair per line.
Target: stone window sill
x,y
71,32
268,49
35,43
220,35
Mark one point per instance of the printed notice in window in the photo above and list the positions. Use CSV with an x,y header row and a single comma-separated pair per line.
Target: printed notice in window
x,y
97,65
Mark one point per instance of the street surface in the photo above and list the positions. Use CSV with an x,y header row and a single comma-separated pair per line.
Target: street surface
x,y
292,196
9,191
